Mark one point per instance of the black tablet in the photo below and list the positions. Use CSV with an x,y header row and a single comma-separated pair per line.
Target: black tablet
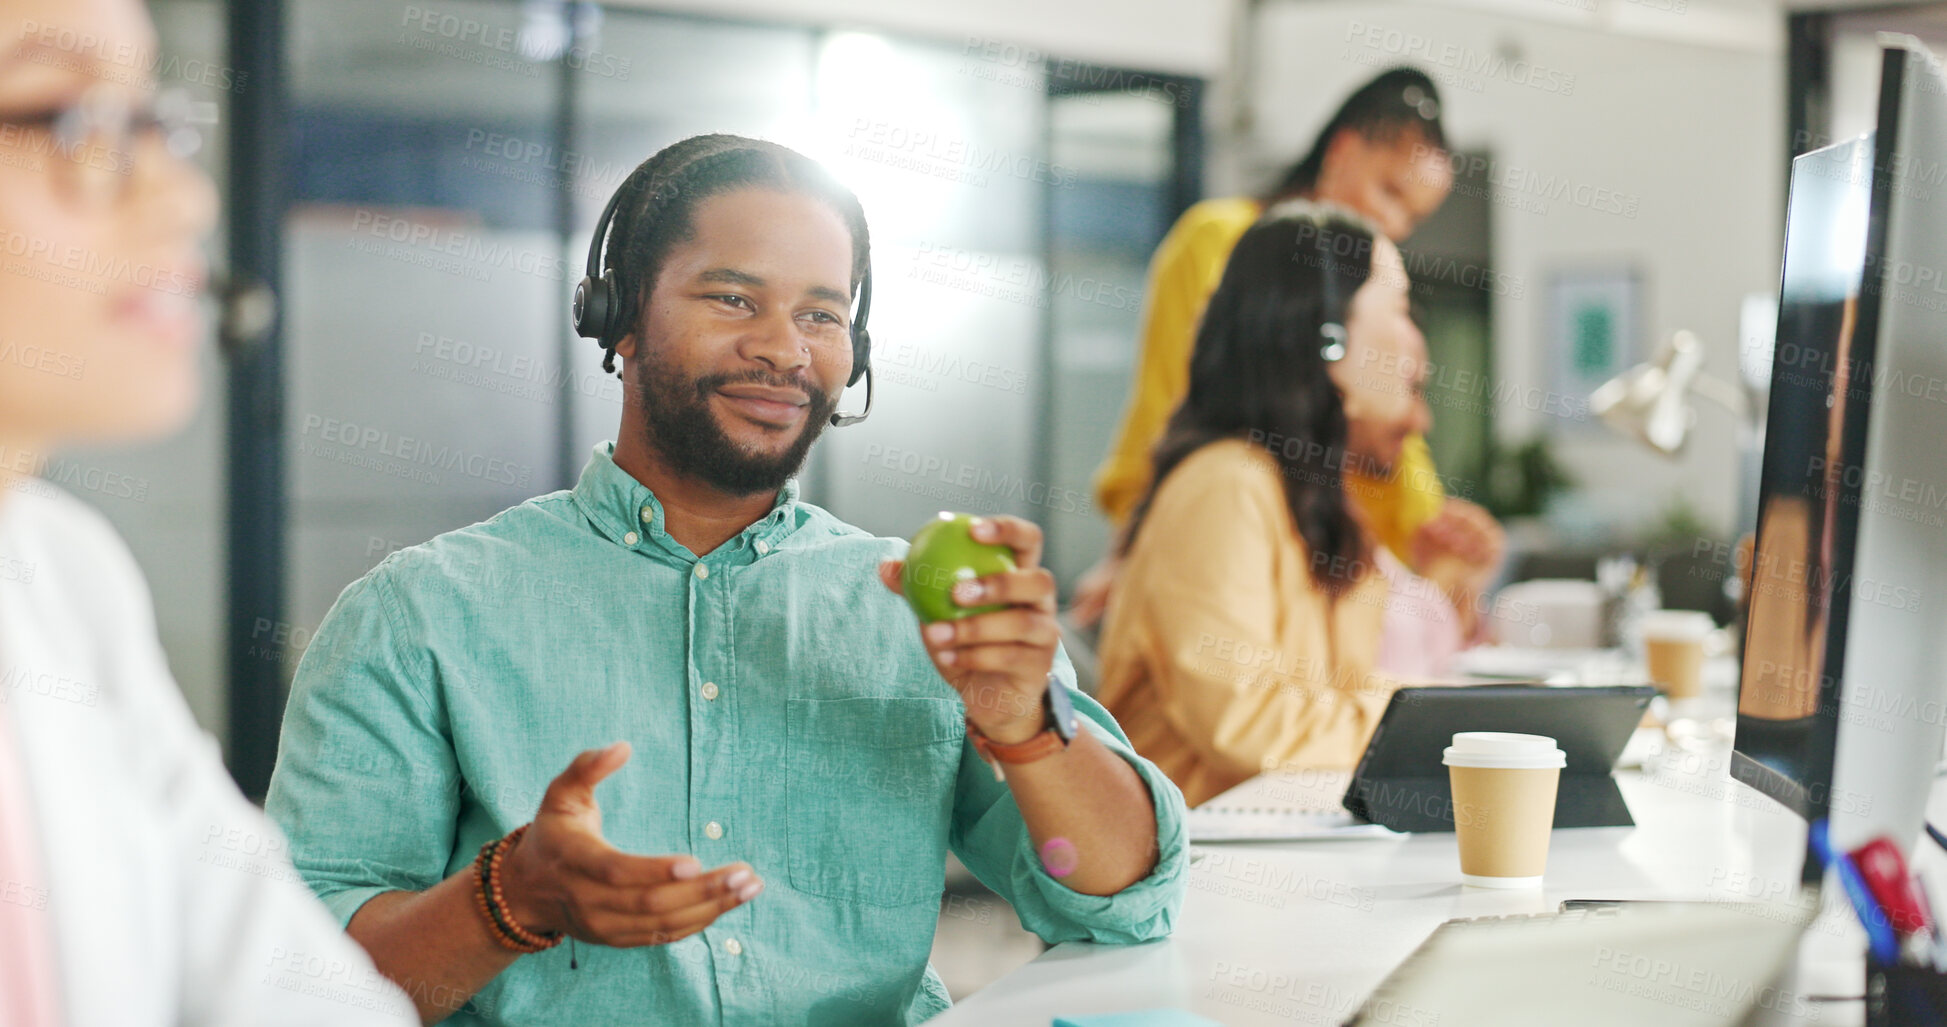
x,y
1402,784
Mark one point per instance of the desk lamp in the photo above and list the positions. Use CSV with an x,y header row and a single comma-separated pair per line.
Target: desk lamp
x,y
1651,402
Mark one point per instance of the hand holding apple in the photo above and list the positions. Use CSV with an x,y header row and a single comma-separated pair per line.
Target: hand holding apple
x,y
994,638
943,554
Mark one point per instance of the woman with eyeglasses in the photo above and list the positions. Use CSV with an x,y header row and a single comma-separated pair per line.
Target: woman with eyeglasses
x,y
1258,622
137,885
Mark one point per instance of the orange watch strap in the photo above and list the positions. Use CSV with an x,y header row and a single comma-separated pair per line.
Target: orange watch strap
x,y
1047,743
1041,746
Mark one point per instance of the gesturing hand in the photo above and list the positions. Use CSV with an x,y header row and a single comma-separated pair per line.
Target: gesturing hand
x,y
1459,549
1460,531
564,876
998,661
1091,596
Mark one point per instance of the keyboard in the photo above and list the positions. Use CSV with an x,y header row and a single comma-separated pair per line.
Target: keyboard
x,y
1667,964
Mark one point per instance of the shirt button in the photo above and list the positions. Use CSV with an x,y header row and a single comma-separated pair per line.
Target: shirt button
x,y
733,946
713,829
702,571
709,690
648,514
763,547
629,539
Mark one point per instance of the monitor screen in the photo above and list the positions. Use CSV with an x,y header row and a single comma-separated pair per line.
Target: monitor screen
x,y
1843,695
1808,504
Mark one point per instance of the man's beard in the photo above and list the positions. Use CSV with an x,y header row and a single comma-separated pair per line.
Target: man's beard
x,y
678,424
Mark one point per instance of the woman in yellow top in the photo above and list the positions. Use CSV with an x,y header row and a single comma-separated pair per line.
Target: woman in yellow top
x,y
1245,629
1383,155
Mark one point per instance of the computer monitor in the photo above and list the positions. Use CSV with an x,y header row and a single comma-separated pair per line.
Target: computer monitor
x,y
1844,684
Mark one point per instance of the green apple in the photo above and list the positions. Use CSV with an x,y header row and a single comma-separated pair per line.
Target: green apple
x,y
944,554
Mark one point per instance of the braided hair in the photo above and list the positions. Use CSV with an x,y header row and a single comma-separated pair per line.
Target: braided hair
x,y
658,213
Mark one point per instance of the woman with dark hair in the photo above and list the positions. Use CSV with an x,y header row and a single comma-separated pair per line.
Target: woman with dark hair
x,y
1383,153
1245,630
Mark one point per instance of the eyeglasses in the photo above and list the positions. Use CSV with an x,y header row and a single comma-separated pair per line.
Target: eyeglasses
x,y
93,141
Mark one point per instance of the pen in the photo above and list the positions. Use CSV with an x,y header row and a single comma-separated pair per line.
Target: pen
x,y
1880,939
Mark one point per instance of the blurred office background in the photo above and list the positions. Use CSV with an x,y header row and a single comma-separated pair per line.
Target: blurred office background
x,y
417,183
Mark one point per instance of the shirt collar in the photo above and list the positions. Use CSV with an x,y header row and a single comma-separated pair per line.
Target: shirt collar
x,y
624,511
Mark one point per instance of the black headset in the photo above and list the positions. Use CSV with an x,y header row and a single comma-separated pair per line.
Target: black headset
x,y
598,309
1331,315
1331,328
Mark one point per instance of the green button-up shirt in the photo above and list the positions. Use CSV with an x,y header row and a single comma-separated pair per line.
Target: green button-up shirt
x,y
782,711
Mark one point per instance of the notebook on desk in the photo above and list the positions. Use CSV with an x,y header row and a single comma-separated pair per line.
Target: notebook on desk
x,y
1298,804
1219,823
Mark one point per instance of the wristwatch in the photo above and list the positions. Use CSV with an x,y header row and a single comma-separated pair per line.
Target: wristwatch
x,y
1059,729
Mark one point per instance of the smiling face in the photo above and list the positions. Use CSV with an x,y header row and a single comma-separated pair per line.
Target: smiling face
x,y
1396,183
1383,375
745,341
99,269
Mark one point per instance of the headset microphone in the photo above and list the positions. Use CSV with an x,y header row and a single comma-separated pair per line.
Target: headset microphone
x,y
598,302
861,352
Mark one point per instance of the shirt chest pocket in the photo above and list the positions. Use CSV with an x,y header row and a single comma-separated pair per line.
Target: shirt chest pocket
x,y
870,796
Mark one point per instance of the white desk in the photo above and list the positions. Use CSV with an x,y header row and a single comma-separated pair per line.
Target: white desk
x,y
1301,932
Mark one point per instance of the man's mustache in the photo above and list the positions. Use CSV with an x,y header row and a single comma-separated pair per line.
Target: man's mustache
x,y
711,383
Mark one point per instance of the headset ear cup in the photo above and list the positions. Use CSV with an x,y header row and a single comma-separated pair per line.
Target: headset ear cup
x,y
594,308
861,353
578,310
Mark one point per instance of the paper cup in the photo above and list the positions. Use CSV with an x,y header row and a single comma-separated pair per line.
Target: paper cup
x,y
1503,805
1673,647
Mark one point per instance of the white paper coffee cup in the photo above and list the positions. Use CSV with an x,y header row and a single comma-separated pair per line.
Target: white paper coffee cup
x,y
1504,805
1673,648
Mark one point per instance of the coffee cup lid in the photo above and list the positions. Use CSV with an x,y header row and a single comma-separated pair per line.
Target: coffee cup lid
x,y
1685,625
1503,749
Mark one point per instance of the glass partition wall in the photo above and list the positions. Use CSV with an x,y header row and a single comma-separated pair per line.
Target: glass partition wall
x,y
1129,181
422,285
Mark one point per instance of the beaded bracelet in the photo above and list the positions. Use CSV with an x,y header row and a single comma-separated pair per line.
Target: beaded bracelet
x,y
492,904
496,926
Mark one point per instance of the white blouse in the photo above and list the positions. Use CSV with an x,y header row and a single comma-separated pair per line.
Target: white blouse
x,y
171,898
